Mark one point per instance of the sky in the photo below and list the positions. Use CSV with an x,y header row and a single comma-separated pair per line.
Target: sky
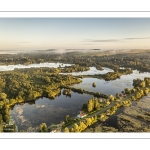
x,y
26,34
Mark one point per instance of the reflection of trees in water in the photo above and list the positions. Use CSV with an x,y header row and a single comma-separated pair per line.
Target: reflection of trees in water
x,y
69,95
31,102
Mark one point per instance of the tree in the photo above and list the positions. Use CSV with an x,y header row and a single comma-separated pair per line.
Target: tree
x,y
66,130
127,91
111,97
76,128
146,91
1,119
90,105
95,118
1,104
43,127
143,84
117,95
67,118
84,107
94,84
6,118
100,100
137,82
88,121
72,129
82,126
3,96
133,90
96,104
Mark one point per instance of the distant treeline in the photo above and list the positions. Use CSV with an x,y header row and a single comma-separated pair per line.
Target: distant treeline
x,y
139,61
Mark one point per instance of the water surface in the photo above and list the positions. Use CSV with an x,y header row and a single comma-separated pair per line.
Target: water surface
x,y
19,66
113,86
48,111
92,71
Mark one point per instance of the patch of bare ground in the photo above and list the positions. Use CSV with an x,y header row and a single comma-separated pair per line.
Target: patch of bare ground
x,y
101,128
136,118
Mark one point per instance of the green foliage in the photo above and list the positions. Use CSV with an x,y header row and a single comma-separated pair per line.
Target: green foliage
x,y
95,104
67,91
6,118
94,84
43,127
127,91
29,84
146,91
1,128
3,96
82,126
111,98
90,105
84,107
74,68
88,121
1,119
66,130
76,128
67,118
117,95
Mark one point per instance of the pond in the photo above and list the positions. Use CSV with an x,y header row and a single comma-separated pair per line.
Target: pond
x,y
48,111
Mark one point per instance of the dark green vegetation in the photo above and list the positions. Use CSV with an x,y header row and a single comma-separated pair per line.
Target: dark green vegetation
x,y
23,85
97,94
29,84
133,59
74,68
110,75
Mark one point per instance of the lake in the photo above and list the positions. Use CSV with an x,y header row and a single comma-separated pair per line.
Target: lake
x,y
19,66
48,111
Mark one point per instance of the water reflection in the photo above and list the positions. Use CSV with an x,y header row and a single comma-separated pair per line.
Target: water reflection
x,y
48,111
113,86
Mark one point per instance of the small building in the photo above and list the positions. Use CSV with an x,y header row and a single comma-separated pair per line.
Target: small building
x,y
81,114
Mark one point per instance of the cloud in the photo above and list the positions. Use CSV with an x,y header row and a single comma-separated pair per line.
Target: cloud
x,y
108,40
100,41
115,40
137,38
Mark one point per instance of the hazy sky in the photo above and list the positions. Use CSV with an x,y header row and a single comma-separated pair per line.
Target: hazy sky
x,y
74,33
